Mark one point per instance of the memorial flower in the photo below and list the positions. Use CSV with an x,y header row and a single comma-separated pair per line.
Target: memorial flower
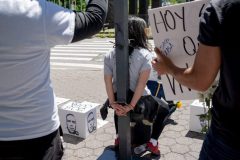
x,y
179,104
206,99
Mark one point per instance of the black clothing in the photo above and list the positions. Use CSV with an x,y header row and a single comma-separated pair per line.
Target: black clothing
x,y
220,26
162,114
90,22
48,147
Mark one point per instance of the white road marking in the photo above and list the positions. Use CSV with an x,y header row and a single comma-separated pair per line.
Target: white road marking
x,y
77,65
75,55
71,58
76,51
81,48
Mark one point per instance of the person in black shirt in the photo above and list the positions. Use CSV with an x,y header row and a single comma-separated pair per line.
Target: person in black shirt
x,y
219,49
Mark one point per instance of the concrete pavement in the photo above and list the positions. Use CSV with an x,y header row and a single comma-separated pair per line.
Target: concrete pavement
x,y
176,142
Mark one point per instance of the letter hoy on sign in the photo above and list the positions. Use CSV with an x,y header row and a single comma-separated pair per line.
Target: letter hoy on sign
x,y
175,29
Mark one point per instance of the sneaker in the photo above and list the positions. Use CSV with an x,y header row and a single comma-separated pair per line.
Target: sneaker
x,y
140,149
153,149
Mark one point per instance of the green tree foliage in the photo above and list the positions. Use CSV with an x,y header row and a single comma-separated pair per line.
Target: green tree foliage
x,y
78,5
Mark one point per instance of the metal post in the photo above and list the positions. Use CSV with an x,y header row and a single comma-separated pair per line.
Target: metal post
x,y
121,39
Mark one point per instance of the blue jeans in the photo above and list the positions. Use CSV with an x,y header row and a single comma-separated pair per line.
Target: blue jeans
x,y
155,88
214,148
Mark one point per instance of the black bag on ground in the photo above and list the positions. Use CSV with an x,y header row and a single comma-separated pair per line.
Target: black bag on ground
x,y
104,109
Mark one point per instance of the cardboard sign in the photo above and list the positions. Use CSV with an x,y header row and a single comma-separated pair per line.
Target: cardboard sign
x,y
175,29
78,119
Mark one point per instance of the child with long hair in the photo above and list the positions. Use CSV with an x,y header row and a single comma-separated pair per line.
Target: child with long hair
x,y
139,70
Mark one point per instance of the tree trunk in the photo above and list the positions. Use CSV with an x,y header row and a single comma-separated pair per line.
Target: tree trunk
x,y
143,8
156,3
132,7
110,14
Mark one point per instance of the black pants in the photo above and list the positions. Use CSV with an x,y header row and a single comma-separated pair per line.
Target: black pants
x,y
158,124
44,148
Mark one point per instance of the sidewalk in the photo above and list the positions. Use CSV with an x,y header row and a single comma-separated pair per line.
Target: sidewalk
x,y
176,142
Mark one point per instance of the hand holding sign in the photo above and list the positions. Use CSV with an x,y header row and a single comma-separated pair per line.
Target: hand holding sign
x,y
175,29
162,64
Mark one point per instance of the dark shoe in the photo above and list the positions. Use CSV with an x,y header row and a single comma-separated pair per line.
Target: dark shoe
x,y
153,149
140,149
104,110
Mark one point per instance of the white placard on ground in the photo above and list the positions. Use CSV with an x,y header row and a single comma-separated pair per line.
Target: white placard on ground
x,y
78,119
175,29
196,123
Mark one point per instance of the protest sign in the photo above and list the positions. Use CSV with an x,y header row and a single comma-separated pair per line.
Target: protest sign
x,y
175,29
78,119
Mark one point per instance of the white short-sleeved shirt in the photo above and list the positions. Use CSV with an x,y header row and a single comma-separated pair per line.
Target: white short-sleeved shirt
x,y
153,74
139,60
28,30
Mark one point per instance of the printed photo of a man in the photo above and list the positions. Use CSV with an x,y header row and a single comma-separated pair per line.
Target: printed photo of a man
x,y
71,124
91,122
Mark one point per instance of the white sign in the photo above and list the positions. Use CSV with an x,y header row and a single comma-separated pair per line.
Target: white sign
x,y
196,110
175,29
78,119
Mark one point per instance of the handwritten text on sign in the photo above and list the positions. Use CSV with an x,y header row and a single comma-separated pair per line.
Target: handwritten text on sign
x,y
175,29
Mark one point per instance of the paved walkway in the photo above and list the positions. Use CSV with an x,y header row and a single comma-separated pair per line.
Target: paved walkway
x,y
176,141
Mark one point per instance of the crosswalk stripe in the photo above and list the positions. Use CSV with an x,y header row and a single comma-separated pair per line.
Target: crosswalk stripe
x,y
77,65
86,45
74,55
87,54
107,40
79,51
82,48
71,58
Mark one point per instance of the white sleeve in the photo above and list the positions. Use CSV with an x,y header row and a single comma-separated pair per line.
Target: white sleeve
x,y
146,63
108,63
59,24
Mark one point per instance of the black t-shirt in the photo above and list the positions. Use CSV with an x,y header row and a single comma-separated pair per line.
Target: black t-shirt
x,y
220,26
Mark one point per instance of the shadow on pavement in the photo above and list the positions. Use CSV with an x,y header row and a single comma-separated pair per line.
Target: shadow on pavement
x,y
195,135
110,153
72,139
170,121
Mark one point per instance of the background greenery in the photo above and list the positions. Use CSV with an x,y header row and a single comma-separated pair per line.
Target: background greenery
x,y
136,7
